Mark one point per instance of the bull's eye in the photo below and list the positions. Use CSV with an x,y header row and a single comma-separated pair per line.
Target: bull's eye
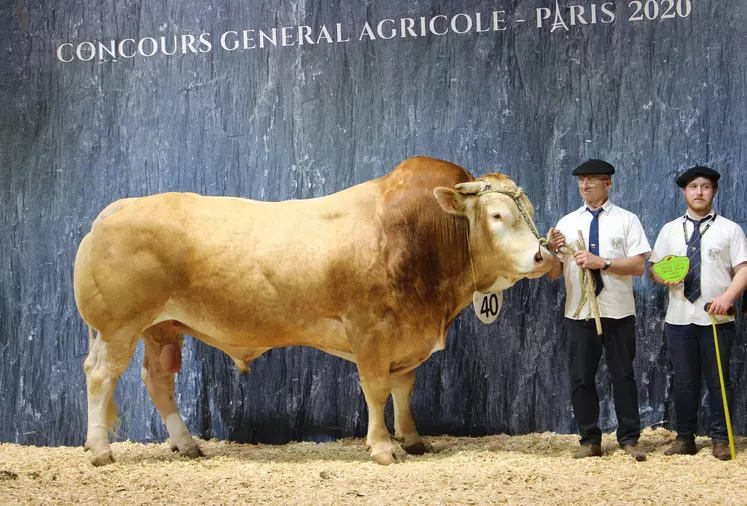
x,y
497,216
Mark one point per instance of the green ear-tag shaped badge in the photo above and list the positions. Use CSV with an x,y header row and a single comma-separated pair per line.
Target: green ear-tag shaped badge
x,y
672,269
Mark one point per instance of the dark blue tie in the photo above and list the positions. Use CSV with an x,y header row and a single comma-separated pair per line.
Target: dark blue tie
x,y
692,279
594,247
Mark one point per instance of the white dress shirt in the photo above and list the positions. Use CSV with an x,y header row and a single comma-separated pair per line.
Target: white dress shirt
x,y
620,236
722,247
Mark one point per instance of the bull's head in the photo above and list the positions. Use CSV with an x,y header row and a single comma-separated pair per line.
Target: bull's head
x,y
503,240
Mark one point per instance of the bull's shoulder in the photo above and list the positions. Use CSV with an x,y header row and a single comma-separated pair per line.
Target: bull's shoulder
x,y
421,244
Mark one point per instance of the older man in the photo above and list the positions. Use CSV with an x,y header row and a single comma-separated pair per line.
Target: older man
x,y
617,250
718,253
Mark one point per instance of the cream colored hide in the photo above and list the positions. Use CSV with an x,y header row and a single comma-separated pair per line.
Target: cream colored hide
x,y
374,274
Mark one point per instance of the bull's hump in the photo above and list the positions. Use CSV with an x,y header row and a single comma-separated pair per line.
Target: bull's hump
x,y
420,168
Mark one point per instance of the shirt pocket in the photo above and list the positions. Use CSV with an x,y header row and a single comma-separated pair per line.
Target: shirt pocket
x,y
617,245
716,253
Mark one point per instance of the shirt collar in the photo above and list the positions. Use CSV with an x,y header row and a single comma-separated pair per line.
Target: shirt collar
x,y
607,206
710,215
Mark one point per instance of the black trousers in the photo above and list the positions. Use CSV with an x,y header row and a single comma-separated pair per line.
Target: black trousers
x,y
693,353
585,350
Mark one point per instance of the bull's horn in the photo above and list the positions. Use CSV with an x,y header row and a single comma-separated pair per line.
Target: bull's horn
x,y
471,188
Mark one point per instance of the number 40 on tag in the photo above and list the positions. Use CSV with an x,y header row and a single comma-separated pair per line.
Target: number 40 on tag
x,y
487,306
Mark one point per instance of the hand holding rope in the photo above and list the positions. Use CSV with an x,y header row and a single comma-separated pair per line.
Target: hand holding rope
x,y
587,281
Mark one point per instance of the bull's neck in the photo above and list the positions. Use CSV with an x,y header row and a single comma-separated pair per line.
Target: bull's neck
x,y
463,291
450,280
470,275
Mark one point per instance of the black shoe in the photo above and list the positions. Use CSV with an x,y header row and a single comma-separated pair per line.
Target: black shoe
x,y
681,447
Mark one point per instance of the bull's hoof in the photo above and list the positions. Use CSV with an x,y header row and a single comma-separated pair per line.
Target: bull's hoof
x,y
387,453
103,459
419,448
193,452
384,458
86,448
173,447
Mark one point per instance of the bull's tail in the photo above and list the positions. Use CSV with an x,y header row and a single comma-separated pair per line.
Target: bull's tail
x,y
91,338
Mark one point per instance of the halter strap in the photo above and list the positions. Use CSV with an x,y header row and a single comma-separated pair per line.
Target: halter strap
x,y
516,196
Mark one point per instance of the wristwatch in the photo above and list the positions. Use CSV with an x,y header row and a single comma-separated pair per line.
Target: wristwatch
x,y
607,263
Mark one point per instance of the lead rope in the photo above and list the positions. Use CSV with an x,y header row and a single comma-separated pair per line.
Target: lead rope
x,y
588,283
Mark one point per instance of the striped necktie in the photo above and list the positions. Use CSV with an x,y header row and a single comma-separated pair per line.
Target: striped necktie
x,y
594,247
692,279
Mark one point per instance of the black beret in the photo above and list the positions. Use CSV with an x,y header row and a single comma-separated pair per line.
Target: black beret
x,y
697,171
592,167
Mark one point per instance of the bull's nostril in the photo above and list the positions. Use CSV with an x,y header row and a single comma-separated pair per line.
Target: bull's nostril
x,y
538,258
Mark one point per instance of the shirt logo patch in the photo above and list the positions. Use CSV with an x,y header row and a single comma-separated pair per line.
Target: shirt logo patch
x,y
713,254
617,242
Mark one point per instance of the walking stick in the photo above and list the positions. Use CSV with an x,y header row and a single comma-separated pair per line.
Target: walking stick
x,y
721,379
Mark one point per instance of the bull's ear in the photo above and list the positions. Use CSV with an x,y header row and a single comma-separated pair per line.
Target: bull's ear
x,y
451,201
471,187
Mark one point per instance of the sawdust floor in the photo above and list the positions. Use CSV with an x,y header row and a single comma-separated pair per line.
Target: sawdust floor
x,y
531,469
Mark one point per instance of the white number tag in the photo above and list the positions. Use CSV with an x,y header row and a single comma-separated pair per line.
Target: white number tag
x,y
487,306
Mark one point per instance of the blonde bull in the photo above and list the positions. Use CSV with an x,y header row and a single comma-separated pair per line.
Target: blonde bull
x,y
374,274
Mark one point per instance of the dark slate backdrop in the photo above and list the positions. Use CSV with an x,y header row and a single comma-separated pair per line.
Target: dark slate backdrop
x,y
650,96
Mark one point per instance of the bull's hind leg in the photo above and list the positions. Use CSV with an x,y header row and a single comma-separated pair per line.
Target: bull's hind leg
x,y
160,383
107,360
404,425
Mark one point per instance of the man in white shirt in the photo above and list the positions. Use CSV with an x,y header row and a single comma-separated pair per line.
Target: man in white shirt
x,y
617,250
718,253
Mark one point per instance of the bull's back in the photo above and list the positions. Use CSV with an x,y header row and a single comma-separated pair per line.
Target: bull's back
x,y
235,260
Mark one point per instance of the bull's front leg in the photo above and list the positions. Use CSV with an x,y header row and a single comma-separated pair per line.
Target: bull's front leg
x,y
404,425
376,389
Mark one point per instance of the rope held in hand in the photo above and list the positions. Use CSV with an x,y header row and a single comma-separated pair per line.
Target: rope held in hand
x,y
588,283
